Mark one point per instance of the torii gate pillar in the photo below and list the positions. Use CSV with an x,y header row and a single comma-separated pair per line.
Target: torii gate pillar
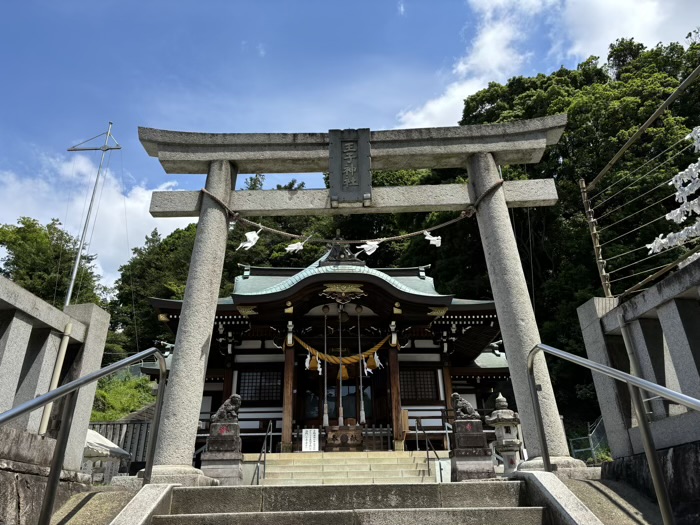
x,y
516,317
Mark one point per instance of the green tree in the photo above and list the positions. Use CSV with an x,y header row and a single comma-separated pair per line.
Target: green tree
x,y
40,259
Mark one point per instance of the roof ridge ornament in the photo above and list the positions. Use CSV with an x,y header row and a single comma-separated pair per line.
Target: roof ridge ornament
x,y
340,254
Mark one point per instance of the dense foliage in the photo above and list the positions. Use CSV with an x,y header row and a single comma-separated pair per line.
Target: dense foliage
x,y
40,259
120,395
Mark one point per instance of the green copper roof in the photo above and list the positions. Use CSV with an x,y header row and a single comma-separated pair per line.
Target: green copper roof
x,y
263,285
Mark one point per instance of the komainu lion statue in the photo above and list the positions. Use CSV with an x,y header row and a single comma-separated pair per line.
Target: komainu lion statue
x,y
463,408
228,411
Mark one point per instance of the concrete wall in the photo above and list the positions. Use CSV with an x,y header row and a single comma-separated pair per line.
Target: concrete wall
x,y
681,467
665,332
30,334
664,323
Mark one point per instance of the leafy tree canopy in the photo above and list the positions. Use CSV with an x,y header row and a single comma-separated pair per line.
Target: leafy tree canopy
x,y
40,259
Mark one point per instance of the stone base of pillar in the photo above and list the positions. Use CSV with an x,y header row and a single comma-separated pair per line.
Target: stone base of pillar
x,y
286,447
472,467
399,445
471,457
183,474
227,467
558,463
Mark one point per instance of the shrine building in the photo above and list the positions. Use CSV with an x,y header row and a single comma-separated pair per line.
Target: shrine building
x,y
405,346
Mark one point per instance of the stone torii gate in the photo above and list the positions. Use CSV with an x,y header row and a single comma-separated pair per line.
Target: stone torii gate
x,y
347,154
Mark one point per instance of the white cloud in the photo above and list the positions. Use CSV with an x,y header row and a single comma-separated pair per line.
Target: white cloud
x,y
494,54
261,51
60,189
589,26
508,32
401,8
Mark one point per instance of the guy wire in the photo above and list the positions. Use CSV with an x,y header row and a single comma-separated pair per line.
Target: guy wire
x,y
633,172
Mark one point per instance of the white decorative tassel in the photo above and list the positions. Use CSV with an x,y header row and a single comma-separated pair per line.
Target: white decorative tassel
x,y
320,368
307,363
297,246
369,247
251,239
364,365
376,360
436,241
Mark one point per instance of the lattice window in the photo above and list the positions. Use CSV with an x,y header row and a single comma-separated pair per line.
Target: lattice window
x,y
418,385
260,385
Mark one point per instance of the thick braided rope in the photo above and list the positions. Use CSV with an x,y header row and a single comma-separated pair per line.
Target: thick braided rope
x,y
236,218
336,360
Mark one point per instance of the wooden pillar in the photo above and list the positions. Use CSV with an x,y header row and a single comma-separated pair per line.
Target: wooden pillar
x,y
228,384
447,381
288,399
395,386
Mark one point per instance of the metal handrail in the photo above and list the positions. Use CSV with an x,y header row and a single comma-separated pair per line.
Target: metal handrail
x,y
70,390
263,455
428,446
635,384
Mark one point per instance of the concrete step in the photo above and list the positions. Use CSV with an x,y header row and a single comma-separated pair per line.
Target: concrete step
x,y
196,500
393,473
278,466
92,508
337,455
615,503
302,460
308,482
428,516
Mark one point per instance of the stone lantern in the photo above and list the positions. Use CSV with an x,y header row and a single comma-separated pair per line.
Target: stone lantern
x,y
506,423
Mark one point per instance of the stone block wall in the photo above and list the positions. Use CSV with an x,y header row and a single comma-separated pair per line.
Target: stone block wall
x,y
665,337
30,334
681,468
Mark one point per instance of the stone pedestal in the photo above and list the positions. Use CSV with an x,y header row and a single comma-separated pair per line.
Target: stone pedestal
x,y
471,457
223,459
344,439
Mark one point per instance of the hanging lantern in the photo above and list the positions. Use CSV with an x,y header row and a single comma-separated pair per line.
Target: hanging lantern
x,y
313,365
343,373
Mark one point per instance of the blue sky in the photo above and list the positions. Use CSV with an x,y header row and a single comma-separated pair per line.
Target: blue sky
x,y
69,67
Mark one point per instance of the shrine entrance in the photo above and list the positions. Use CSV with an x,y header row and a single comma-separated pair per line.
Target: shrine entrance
x,y
349,156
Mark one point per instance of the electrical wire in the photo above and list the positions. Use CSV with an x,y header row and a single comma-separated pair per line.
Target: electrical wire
x,y
634,230
94,221
663,183
642,260
636,212
638,273
625,253
644,176
63,245
128,247
636,170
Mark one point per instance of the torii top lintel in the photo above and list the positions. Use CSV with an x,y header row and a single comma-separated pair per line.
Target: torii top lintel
x,y
517,142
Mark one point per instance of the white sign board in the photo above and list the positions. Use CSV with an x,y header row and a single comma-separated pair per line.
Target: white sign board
x,y
309,440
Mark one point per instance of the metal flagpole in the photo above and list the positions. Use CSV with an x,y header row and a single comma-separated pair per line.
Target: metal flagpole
x,y
43,426
325,375
358,310
105,148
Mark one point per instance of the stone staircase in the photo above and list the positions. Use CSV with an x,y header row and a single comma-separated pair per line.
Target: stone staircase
x,y
343,468
469,503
